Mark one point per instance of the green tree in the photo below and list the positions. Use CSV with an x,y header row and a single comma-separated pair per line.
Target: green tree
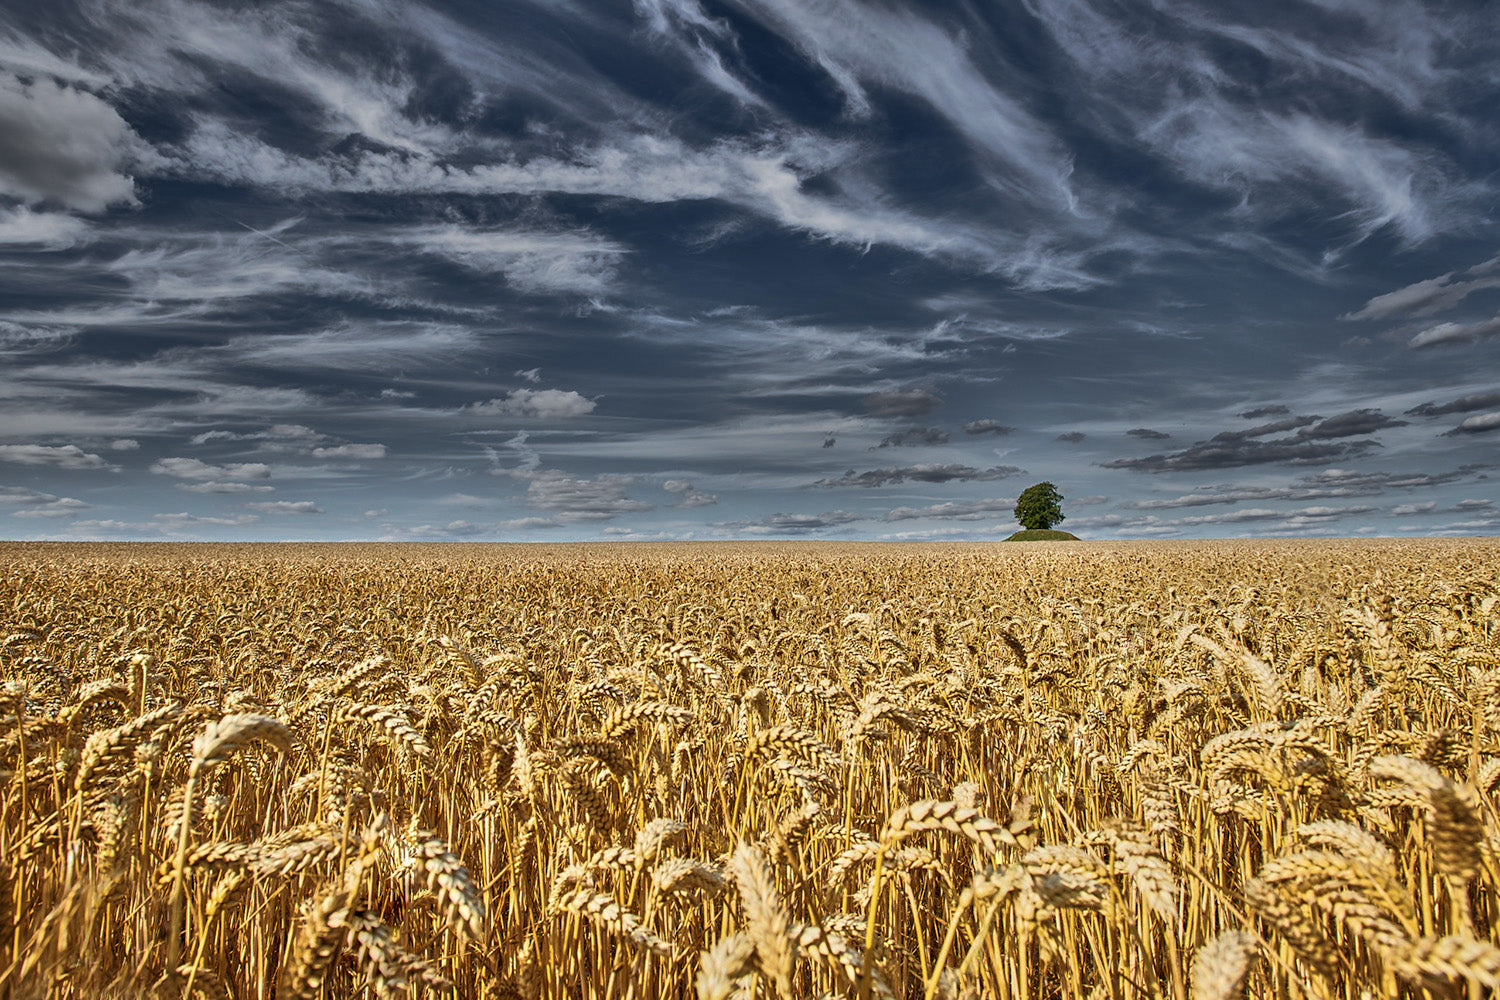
x,y
1039,507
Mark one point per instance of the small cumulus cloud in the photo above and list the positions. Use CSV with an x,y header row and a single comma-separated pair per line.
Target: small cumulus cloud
x,y
1147,434
286,507
1276,410
546,404
1071,437
987,426
124,444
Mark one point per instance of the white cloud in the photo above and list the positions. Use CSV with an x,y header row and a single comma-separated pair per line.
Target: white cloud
x,y
1422,298
124,444
63,145
286,507
192,468
899,49
580,499
351,451
49,230
32,503
225,487
1001,508
1444,333
546,404
186,520
67,456
1478,422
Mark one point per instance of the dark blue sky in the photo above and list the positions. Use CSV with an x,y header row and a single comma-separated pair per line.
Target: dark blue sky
x,y
757,268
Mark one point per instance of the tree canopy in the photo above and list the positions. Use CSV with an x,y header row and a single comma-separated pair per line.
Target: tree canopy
x,y
1039,507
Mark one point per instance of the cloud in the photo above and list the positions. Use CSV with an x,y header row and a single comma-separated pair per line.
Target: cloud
x,y
956,510
1276,410
926,472
67,456
690,497
1350,424
1071,437
532,375
1445,333
1261,430
124,444
1422,298
186,520
914,436
1147,434
1476,424
987,426
21,226
286,507
599,498
536,262
897,49
351,451
63,145
829,442
276,432
545,404
792,524
226,488
1229,455
192,468
1463,404
914,402
32,503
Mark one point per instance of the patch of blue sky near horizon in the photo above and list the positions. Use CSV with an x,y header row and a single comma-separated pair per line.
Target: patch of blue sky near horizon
x,y
747,268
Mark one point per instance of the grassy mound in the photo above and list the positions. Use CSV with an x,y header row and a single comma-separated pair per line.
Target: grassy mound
x,y
1042,535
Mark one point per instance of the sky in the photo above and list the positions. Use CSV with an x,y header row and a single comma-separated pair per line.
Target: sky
x,y
717,269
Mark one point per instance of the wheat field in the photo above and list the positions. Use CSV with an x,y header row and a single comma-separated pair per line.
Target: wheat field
x,y
1115,771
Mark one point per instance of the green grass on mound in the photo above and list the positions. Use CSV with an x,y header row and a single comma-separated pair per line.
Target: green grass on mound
x,y
1042,535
